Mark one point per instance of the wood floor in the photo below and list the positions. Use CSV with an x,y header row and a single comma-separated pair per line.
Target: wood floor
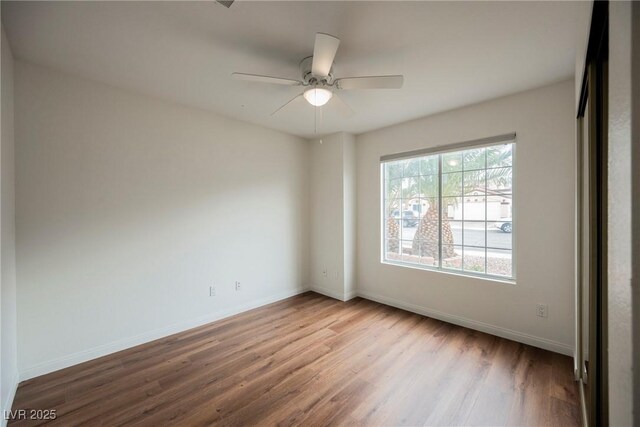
x,y
312,360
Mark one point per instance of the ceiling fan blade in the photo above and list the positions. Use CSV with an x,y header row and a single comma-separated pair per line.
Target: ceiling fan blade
x,y
324,51
266,79
341,106
372,82
225,3
298,96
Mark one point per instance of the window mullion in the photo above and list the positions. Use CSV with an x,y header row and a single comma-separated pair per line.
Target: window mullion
x,y
486,202
440,211
462,222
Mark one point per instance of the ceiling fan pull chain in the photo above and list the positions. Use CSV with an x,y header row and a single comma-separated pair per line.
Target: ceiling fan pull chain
x,y
320,124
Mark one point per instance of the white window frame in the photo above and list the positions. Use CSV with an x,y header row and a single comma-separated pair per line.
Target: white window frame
x,y
440,150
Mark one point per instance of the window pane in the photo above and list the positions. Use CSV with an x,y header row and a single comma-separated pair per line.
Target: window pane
x,y
410,212
499,180
452,184
409,223
451,232
499,208
429,165
411,187
392,228
412,167
452,162
430,208
392,249
474,233
474,208
452,208
393,189
427,233
426,251
473,259
499,235
407,252
499,156
429,186
418,206
452,257
391,208
393,170
474,182
499,262
474,159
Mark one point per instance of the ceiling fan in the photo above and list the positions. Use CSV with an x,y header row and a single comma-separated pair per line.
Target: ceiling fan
x,y
318,80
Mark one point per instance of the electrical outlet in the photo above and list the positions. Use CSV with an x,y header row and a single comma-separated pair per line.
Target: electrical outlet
x,y
238,286
324,272
212,291
542,310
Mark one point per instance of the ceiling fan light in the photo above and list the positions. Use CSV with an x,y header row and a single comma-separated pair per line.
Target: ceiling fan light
x,y
317,96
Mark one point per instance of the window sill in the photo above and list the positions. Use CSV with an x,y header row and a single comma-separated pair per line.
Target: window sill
x,y
498,279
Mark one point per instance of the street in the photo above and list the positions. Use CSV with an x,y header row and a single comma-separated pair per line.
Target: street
x,y
472,236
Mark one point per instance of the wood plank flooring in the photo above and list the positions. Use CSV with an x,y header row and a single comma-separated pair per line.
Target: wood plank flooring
x,y
312,360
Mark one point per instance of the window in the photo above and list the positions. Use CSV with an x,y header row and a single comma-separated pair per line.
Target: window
x,y
451,210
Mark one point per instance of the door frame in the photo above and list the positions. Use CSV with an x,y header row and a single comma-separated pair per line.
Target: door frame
x,y
594,93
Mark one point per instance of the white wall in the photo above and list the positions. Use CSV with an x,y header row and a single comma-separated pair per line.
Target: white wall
x,y
350,220
333,215
8,341
544,222
327,256
129,208
619,221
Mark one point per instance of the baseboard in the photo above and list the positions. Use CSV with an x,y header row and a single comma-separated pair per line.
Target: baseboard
x,y
8,402
350,295
499,331
103,350
333,294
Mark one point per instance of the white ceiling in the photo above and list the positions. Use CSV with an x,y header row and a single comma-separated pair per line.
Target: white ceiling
x,y
451,54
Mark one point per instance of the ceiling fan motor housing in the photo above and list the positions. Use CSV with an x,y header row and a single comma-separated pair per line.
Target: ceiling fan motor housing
x,y
309,78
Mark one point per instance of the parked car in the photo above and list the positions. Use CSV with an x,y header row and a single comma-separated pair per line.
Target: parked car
x,y
504,224
409,218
